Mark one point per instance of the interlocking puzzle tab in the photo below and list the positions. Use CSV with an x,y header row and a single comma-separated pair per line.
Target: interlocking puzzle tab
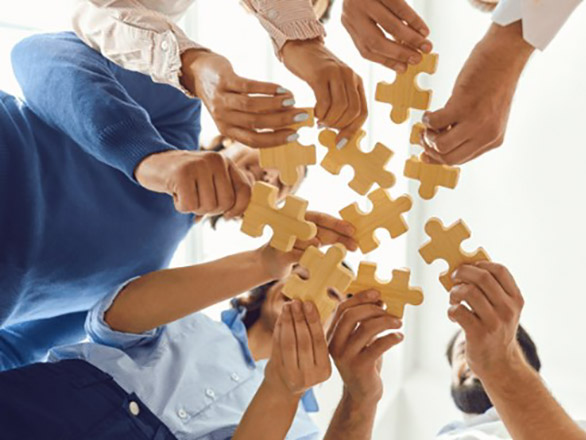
x,y
395,293
289,159
386,213
404,93
446,244
288,223
369,168
325,272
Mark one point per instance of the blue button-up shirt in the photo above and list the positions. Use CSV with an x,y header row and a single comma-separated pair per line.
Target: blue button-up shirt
x,y
197,375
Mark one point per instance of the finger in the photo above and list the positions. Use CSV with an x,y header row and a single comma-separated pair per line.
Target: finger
x,y
448,140
469,322
255,139
223,184
185,197
249,86
465,153
326,221
395,51
407,14
379,347
476,299
288,341
367,297
349,132
242,191
339,101
503,276
368,331
432,156
264,121
208,201
320,347
257,104
276,354
441,119
323,99
304,343
485,281
353,104
327,237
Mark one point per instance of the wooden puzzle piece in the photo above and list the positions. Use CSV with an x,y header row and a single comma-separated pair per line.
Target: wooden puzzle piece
x,y
446,244
431,176
404,93
369,168
395,293
386,213
288,223
417,133
325,272
289,159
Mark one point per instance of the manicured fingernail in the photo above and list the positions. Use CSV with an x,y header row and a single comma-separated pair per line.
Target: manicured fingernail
x,y
288,102
415,59
342,143
425,47
301,117
282,90
292,137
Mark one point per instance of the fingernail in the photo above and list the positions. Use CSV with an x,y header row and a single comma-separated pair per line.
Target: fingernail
x,y
288,102
308,307
292,137
425,119
282,90
425,47
301,117
401,68
424,31
296,306
342,143
415,59
400,336
321,125
372,294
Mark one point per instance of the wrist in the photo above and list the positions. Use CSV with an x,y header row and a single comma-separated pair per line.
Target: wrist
x,y
279,396
191,59
507,367
362,403
506,46
149,172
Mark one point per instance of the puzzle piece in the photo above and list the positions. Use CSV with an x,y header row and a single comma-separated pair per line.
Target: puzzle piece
x,y
445,244
431,176
416,134
369,168
386,213
325,272
404,93
289,159
288,223
395,293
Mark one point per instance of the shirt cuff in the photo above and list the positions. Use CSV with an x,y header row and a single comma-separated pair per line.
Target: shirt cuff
x,y
541,20
100,332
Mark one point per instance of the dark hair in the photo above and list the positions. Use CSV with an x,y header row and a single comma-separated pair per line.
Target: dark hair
x,y
527,346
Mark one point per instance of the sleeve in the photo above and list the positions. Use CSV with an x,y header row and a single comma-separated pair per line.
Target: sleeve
x,y
287,20
100,332
134,37
542,20
72,88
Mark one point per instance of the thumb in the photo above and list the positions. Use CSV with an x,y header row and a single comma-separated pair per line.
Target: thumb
x,y
442,118
242,191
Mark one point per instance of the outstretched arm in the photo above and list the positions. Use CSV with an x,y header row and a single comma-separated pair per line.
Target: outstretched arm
x,y
518,393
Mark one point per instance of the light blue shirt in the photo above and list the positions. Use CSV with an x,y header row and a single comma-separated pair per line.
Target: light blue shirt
x,y
197,375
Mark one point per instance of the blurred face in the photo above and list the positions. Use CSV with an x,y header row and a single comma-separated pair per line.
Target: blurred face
x,y
467,390
271,308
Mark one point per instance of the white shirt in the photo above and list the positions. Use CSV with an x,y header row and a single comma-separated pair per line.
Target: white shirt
x,y
542,19
142,35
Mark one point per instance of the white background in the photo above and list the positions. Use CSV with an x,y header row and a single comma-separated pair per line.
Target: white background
x,y
524,203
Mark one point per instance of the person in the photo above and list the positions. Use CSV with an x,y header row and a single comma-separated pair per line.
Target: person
x,y
474,119
82,209
143,369
495,365
143,36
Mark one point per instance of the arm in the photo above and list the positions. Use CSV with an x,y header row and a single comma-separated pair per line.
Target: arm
x,y
357,350
299,360
522,400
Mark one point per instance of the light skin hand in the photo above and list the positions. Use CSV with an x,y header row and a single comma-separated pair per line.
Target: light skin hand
x,y
474,120
363,19
254,113
200,183
339,91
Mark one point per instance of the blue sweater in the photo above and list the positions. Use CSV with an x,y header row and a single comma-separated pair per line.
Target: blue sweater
x,y
74,223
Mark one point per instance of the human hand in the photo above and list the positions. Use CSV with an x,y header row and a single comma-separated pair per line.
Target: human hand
x,y
254,113
339,92
362,19
474,120
200,182
330,230
355,348
490,324
299,358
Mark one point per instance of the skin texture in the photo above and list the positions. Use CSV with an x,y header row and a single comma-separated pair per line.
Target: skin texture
x,y
492,353
474,120
363,19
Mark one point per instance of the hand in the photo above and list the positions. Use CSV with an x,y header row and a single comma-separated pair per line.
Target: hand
x,y
243,109
299,358
339,92
475,117
355,348
491,324
362,19
330,230
199,182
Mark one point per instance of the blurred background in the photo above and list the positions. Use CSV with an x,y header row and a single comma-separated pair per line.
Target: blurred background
x,y
524,203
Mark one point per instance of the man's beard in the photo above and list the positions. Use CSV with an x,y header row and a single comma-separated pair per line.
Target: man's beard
x,y
471,398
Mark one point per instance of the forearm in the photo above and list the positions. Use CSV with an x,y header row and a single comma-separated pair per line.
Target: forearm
x,y
352,420
167,295
526,406
269,416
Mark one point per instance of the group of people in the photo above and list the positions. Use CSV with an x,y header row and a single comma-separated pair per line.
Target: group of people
x,y
101,178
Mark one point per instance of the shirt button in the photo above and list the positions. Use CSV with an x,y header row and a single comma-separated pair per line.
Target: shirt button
x,y
235,377
164,46
273,14
210,393
134,408
182,414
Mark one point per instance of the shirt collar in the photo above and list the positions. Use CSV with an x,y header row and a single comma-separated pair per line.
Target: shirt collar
x,y
233,319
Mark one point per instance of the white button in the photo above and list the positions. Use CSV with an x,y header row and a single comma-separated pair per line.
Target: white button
x,y
164,45
182,414
273,14
210,393
235,377
134,408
